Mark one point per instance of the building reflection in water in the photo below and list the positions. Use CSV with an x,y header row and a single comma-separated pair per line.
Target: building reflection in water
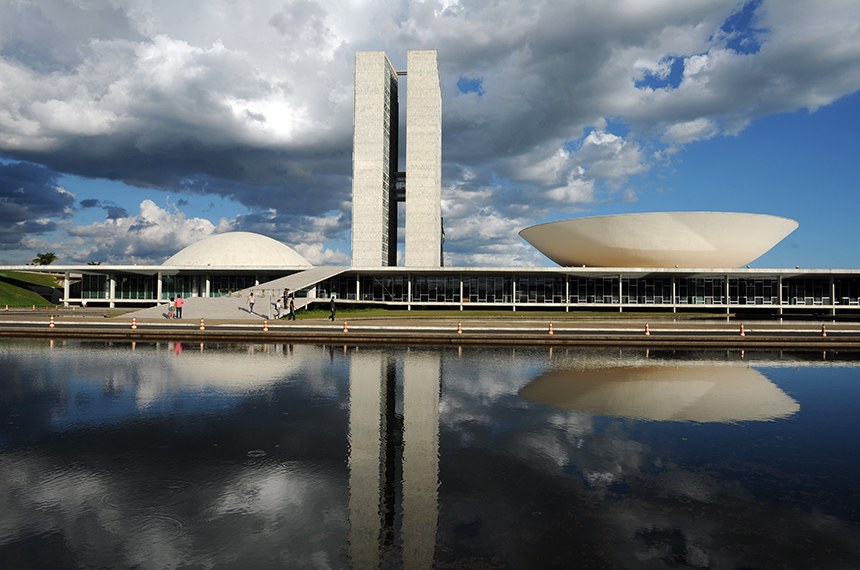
x,y
374,432
690,392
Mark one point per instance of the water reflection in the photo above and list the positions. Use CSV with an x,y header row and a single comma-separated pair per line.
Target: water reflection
x,y
689,392
374,461
272,456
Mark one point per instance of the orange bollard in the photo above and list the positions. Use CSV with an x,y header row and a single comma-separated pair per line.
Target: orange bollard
x,y
52,322
46,308
550,331
823,330
459,327
34,307
134,324
647,329
265,326
345,327
742,333
202,326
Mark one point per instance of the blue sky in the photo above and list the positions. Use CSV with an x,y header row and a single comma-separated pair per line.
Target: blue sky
x,y
129,130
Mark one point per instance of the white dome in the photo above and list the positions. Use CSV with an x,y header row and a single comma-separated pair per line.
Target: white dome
x,y
660,239
238,249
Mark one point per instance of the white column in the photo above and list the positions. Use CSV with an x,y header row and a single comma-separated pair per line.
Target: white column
x,y
65,288
111,290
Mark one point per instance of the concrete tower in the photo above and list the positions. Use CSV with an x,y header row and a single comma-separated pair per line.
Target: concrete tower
x,y
374,161
375,175
423,161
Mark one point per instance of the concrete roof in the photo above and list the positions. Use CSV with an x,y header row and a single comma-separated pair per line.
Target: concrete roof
x,y
238,249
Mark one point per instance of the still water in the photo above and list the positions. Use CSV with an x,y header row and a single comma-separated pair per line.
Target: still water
x,y
162,455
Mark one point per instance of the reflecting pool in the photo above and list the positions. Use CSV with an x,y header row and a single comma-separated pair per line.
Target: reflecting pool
x,y
169,455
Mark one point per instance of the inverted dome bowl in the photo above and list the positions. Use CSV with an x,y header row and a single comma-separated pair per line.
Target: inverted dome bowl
x,y
660,239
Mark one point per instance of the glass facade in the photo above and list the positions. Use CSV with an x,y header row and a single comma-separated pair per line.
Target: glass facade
x,y
806,291
222,285
701,291
753,291
847,291
385,288
133,286
487,289
185,286
94,286
435,289
646,291
513,289
540,289
341,286
596,290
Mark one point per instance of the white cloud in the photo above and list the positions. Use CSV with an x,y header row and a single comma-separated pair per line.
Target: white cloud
x,y
697,129
141,238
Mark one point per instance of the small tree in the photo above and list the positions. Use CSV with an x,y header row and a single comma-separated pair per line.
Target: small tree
x,y
94,262
46,258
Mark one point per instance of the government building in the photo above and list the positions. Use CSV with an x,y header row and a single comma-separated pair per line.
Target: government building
x,y
656,262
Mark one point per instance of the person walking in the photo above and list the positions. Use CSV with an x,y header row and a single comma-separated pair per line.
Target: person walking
x,y
171,309
292,314
251,302
333,308
179,303
279,304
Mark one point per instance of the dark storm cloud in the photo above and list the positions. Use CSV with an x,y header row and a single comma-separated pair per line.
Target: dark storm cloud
x,y
112,211
30,198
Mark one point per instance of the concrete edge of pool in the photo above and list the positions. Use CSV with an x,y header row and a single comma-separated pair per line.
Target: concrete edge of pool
x,y
446,331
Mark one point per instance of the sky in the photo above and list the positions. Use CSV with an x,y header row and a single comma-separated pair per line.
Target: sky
x,y
131,129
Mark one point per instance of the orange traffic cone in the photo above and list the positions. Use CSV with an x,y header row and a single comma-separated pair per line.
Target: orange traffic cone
x,y
823,330
265,326
742,333
550,331
134,324
345,327
647,329
459,327
202,326
52,322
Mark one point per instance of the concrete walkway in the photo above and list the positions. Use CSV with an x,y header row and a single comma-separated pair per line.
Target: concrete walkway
x,y
235,306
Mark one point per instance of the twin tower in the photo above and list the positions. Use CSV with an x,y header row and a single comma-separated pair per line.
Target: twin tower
x,y
378,184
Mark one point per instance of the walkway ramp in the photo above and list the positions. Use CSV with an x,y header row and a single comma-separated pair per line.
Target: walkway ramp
x,y
297,281
235,306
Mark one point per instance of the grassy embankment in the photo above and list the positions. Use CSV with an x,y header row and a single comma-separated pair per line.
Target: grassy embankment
x,y
14,291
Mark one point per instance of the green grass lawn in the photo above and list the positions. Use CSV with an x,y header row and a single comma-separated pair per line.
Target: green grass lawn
x,y
15,296
13,291
43,279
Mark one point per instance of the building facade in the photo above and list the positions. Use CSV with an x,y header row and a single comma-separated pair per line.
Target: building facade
x,y
375,191
423,161
374,161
